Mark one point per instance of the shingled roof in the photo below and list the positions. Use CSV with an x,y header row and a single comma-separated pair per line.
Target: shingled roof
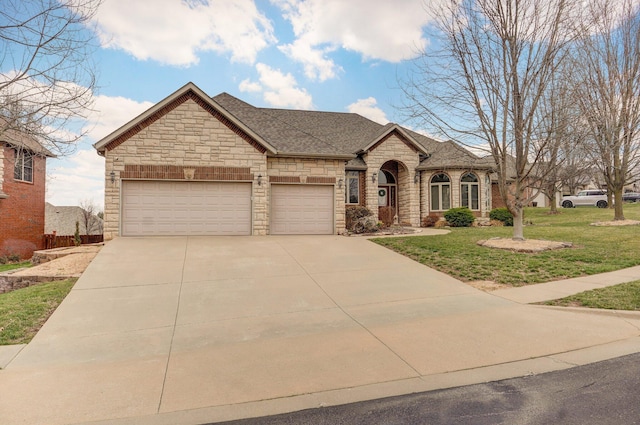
x,y
304,132
316,133
300,133
18,139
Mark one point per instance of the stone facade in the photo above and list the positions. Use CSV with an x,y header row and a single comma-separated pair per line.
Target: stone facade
x,y
190,137
312,171
393,148
187,136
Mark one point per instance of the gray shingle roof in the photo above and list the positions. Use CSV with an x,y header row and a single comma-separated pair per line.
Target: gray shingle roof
x,y
307,132
18,139
336,133
62,220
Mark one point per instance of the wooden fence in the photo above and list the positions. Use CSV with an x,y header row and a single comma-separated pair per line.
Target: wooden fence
x,y
57,241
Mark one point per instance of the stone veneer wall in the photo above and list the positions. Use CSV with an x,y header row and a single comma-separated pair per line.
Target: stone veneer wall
x,y
394,149
312,171
187,136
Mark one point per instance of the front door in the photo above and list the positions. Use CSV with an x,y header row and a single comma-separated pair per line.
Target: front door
x,y
387,196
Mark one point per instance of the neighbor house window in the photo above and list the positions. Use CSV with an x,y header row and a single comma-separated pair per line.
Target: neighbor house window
x,y
440,192
23,169
352,194
470,191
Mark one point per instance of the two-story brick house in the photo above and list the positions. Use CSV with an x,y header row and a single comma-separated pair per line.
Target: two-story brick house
x,y
23,164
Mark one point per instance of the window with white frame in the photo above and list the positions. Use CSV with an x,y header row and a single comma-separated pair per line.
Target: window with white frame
x,y
23,169
352,192
440,192
470,191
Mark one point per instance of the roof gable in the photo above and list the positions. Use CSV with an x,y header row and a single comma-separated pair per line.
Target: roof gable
x,y
188,92
394,129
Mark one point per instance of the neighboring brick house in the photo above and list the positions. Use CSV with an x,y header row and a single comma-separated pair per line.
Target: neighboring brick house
x,y
23,164
196,165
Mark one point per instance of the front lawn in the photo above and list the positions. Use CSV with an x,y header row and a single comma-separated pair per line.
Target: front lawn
x,y
625,296
595,249
24,311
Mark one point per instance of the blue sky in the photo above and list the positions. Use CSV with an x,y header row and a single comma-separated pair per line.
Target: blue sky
x,y
332,55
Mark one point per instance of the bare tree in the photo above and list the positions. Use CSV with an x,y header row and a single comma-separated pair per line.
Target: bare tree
x,y
485,80
608,90
566,164
90,217
47,79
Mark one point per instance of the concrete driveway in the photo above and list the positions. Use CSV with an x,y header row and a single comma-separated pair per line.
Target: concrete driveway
x,y
199,329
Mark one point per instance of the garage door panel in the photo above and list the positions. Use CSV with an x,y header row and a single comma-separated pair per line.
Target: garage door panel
x,y
302,209
186,208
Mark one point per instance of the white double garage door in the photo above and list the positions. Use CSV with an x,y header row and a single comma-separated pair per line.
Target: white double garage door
x,y
167,208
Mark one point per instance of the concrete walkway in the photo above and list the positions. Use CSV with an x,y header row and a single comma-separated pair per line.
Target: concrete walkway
x,y
192,330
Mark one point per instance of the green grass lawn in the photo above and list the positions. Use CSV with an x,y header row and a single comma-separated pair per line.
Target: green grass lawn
x,y
24,311
595,249
625,296
12,266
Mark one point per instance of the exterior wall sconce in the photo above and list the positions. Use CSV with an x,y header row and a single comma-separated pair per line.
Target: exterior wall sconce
x,y
259,179
113,176
374,176
416,178
340,183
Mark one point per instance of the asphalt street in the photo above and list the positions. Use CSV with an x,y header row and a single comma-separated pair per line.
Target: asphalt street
x,y
601,393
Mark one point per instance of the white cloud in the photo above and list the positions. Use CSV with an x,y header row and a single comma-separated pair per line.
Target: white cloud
x,y
316,65
81,176
367,108
376,29
76,178
174,31
278,89
110,113
250,86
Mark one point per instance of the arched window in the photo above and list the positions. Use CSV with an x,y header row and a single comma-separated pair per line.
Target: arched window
x,y
470,191
440,192
385,177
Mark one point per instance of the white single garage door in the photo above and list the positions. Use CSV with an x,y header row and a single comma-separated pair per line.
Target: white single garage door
x,y
162,208
301,210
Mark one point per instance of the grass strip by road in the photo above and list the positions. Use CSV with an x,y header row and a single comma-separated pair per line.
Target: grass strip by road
x,y
625,296
24,311
595,249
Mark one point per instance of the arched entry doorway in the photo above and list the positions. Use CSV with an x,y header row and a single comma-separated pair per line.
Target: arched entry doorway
x,y
387,197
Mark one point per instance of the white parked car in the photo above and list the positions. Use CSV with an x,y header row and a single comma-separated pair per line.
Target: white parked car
x,y
592,197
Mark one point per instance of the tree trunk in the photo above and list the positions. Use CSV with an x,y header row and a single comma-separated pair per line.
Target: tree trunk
x,y
518,224
617,205
551,196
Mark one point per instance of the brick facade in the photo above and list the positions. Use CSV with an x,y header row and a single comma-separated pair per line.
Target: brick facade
x,y
22,212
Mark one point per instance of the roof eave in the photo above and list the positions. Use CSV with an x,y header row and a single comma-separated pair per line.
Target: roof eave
x,y
313,155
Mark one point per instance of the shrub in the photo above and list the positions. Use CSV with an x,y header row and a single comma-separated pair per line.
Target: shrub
x,y
353,213
430,220
77,240
459,217
359,219
503,215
